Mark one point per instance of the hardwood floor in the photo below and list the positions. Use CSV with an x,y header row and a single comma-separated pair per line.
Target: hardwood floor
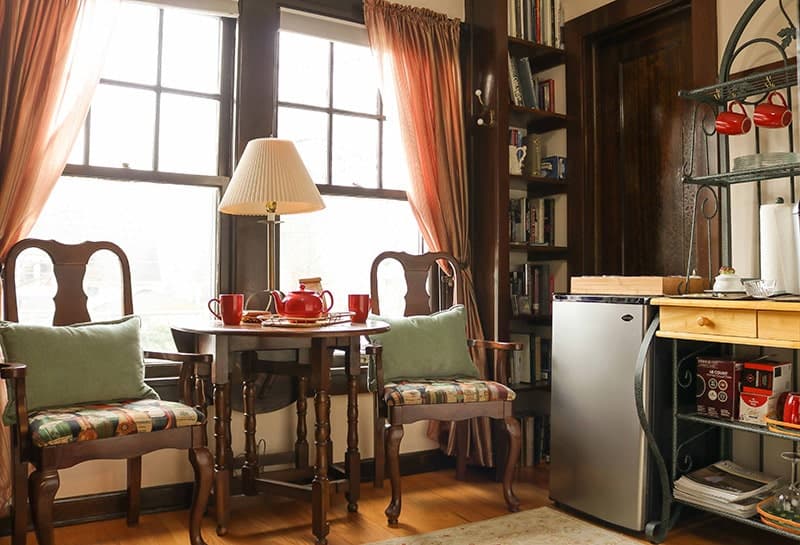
x,y
430,501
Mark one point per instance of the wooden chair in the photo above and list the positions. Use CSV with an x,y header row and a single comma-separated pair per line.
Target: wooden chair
x,y
420,272
69,264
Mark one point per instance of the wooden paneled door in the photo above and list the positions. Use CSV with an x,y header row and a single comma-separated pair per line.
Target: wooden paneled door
x,y
629,212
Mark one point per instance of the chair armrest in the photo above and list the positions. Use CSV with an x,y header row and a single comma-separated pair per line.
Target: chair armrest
x,y
501,370
14,374
195,368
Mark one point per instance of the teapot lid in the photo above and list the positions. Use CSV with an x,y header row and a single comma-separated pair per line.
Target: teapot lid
x,y
302,290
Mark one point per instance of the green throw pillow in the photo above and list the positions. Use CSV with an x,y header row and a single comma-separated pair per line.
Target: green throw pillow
x,y
432,346
67,365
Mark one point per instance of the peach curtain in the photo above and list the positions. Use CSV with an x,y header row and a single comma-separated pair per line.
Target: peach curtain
x,y
418,53
51,54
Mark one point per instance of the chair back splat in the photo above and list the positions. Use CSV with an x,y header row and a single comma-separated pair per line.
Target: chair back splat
x,y
69,270
429,288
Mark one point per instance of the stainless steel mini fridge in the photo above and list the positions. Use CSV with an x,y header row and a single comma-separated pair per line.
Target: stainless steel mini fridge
x,y
599,457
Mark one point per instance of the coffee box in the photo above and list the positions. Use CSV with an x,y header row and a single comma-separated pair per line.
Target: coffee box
x,y
766,377
756,408
718,381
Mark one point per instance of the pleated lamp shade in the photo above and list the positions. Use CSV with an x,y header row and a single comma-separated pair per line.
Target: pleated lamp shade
x,y
270,172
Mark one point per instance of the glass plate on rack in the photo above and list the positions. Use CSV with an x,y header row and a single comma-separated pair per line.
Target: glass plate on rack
x,y
764,160
330,318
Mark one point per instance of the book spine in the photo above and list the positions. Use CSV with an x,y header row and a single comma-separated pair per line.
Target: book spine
x,y
526,82
513,83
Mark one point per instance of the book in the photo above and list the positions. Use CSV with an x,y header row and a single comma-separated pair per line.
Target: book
x,y
526,83
745,507
521,362
528,432
513,83
725,481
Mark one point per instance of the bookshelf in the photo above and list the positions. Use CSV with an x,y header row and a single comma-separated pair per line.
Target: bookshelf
x,y
497,250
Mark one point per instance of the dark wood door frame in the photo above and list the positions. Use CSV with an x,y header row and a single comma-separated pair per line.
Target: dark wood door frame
x,y
581,37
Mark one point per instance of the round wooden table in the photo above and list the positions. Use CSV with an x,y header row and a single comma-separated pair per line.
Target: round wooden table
x,y
223,340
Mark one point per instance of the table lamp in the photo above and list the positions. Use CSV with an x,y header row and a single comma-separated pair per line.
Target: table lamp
x,y
270,180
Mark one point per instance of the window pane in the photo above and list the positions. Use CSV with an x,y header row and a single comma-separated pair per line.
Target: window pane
x,y
172,249
309,131
370,226
355,82
303,69
395,166
78,148
188,37
355,151
189,134
122,127
133,51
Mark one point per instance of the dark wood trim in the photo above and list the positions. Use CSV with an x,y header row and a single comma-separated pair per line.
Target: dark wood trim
x,y
372,193
486,61
173,497
133,175
579,35
349,10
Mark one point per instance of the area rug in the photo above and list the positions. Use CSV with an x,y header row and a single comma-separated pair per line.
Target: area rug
x,y
542,526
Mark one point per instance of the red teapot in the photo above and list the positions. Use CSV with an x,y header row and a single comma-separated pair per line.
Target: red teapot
x,y
302,303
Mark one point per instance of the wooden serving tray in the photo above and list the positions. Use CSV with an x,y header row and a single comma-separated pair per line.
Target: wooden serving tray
x,y
636,285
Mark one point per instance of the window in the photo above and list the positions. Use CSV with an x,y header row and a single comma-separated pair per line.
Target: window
x,y
147,170
329,105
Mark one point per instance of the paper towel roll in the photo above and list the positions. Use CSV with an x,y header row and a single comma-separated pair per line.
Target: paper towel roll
x,y
778,249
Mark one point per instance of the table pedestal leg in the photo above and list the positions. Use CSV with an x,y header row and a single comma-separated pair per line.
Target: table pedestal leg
x,y
352,458
320,486
223,455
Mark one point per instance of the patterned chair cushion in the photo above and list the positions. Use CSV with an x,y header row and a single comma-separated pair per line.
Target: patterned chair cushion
x,y
64,425
430,392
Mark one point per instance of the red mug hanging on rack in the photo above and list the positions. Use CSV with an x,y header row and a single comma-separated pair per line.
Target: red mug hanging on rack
x,y
731,122
770,115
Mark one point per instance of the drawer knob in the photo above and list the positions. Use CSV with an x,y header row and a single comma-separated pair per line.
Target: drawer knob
x,y
702,321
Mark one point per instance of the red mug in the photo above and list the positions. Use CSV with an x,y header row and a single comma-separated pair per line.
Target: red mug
x,y
771,115
791,408
358,303
731,122
230,306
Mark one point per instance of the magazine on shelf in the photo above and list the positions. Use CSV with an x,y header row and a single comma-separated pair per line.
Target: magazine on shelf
x,y
725,481
745,507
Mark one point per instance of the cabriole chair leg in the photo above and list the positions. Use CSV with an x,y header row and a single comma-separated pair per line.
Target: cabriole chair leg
x,y
394,435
